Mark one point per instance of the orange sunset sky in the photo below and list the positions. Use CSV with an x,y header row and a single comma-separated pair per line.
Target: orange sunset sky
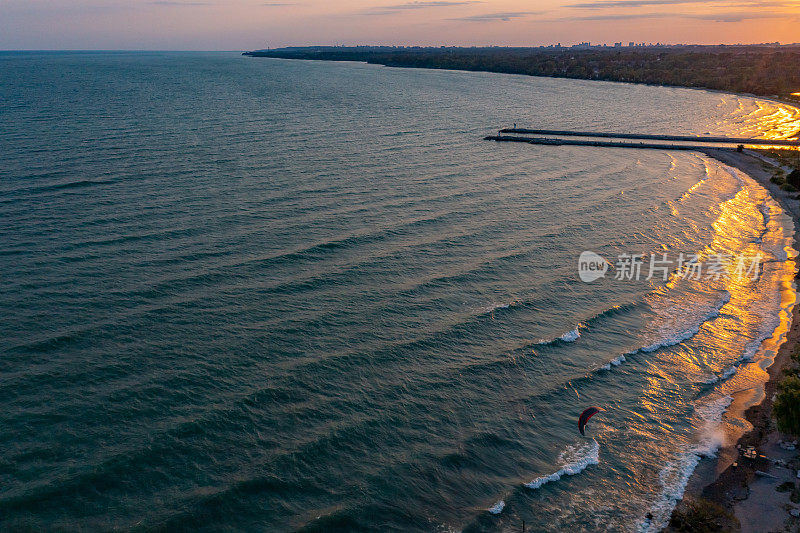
x,y
250,24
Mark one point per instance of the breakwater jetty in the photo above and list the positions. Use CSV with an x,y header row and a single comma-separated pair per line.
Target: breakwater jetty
x,y
649,137
604,144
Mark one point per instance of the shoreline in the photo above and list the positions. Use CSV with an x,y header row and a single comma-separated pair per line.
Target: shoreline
x,y
778,99
725,481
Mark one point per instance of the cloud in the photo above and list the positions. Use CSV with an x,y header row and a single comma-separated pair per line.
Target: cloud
x,y
609,4
423,5
739,16
620,17
604,4
494,17
731,16
399,8
179,4
715,10
278,4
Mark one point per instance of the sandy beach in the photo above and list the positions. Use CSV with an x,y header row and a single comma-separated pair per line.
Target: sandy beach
x,y
747,489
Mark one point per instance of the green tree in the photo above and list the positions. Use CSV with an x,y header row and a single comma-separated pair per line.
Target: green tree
x,y
794,178
787,406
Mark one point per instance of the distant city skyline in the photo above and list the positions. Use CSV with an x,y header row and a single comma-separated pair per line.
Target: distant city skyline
x,y
252,24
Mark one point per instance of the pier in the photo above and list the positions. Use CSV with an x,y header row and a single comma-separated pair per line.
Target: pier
x,y
678,138
605,144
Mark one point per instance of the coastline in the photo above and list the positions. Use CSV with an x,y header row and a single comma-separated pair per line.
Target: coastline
x,y
726,481
775,98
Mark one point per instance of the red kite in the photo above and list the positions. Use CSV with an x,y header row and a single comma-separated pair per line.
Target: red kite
x,y
585,416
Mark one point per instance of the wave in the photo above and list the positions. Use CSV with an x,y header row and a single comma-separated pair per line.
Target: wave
x,y
765,213
574,334
496,307
76,185
79,184
729,372
497,508
614,362
499,307
675,475
401,133
574,461
688,193
735,173
611,311
677,338
570,336
768,328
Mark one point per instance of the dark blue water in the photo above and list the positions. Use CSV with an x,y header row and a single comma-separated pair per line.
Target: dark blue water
x,y
246,294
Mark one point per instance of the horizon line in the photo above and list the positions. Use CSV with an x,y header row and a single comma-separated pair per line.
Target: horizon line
x,y
640,44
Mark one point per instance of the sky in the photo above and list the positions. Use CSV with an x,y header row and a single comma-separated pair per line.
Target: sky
x,y
254,24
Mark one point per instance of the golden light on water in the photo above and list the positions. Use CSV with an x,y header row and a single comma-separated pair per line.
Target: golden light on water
x,y
750,208
777,121
737,214
754,314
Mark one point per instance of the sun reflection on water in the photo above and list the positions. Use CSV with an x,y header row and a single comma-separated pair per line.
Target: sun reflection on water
x,y
774,120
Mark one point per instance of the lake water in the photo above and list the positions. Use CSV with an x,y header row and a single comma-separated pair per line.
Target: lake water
x,y
266,295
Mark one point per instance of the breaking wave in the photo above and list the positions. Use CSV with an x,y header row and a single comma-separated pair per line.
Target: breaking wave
x,y
570,336
574,461
675,475
614,362
674,338
497,508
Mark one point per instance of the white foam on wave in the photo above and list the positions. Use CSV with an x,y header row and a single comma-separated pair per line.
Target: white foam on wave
x,y
570,336
575,334
768,327
614,362
729,372
677,338
491,309
675,475
735,173
497,508
765,213
688,193
574,461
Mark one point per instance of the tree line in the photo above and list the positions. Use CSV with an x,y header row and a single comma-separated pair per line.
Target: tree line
x,y
760,70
